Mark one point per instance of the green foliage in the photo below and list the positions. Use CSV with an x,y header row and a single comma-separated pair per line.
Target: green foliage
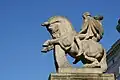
x,y
119,21
98,17
118,28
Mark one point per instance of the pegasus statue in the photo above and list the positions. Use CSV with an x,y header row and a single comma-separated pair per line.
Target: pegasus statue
x,y
82,46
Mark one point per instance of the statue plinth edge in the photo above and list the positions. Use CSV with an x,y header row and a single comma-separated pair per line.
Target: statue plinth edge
x,y
81,76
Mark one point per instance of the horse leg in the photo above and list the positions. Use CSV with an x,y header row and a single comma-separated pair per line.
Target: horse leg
x,y
79,44
48,48
50,42
94,61
49,45
54,41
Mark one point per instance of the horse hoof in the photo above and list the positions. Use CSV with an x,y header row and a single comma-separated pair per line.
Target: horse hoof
x,y
45,45
44,51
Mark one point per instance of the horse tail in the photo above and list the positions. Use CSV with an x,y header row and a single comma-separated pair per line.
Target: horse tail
x,y
103,62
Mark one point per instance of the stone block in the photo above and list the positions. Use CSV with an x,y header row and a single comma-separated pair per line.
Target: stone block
x,y
81,76
80,70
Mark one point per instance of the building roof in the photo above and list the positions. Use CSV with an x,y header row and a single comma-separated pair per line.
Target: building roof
x,y
113,48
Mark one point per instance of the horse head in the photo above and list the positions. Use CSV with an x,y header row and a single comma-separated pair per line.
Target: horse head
x,y
58,26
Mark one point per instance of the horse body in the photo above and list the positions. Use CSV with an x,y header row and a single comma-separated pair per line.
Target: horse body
x,y
64,35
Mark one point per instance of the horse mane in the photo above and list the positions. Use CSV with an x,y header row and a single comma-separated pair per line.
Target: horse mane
x,y
65,27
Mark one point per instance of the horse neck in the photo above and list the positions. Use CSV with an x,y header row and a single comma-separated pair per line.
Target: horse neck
x,y
66,28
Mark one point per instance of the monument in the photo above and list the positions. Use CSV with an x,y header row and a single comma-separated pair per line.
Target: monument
x,y
82,46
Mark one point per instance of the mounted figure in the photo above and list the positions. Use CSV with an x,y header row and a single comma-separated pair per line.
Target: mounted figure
x,y
82,46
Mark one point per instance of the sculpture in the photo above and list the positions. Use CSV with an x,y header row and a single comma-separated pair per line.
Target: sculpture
x,y
82,46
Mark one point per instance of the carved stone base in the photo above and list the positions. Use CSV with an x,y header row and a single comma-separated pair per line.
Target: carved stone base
x,y
80,70
81,76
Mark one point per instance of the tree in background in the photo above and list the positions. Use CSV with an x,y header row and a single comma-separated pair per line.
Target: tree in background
x,y
118,26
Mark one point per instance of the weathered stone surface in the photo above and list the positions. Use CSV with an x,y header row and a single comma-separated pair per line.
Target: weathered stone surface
x,y
83,46
80,70
79,76
59,58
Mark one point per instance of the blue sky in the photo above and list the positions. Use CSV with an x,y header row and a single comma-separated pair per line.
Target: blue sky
x,y
21,36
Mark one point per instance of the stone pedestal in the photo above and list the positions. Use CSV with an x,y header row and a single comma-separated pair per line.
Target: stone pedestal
x,y
80,70
79,76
